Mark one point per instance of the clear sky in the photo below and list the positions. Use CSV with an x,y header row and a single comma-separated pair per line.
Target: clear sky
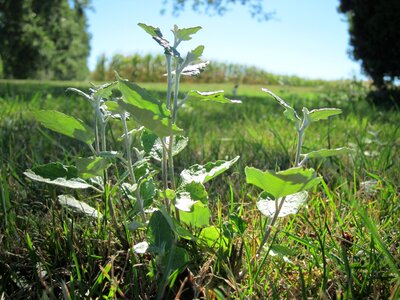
x,y
308,38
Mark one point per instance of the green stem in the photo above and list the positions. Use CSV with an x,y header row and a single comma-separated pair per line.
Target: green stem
x,y
164,162
169,80
300,133
130,165
96,133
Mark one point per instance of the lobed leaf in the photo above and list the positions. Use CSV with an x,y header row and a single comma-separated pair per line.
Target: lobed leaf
x,y
79,206
73,183
291,204
92,166
284,183
194,70
155,32
56,170
204,173
320,114
64,124
184,34
327,152
289,112
105,91
154,147
145,109
216,96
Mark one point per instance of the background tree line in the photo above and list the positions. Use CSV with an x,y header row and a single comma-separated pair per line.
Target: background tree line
x,y
151,68
49,39
44,39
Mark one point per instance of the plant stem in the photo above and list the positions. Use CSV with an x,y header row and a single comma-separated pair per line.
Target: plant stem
x,y
300,133
130,167
171,138
164,162
169,80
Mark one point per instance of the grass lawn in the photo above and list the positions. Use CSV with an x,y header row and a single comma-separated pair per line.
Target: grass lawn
x,y
343,244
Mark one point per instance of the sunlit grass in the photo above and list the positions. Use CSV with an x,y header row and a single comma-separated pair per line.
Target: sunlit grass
x,y
344,242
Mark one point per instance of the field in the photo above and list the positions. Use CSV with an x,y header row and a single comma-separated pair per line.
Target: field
x,y
343,244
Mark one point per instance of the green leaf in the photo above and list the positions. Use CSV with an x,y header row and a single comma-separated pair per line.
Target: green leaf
x,y
65,124
159,232
148,190
92,166
192,56
153,145
184,202
135,225
198,217
204,173
170,194
56,170
185,34
212,237
291,205
289,112
188,194
280,184
145,109
320,114
105,91
158,37
195,53
196,190
176,258
240,224
282,250
79,206
153,31
74,183
327,152
216,96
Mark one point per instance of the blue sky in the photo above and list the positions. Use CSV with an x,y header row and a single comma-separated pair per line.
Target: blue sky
x,y
308,38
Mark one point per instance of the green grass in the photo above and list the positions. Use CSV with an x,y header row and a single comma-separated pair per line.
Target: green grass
x,y
343,244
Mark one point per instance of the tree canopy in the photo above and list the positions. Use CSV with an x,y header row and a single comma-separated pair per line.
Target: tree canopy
x,y
44,39
219,7
374,28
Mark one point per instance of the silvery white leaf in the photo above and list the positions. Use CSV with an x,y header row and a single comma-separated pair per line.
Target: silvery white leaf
x,y
291,205
79,206
141,248
194,70
184,202
74,183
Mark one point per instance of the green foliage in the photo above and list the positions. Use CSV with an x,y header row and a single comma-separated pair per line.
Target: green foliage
x,y
45,39
65,124
219,7
139,230
375,37
284,183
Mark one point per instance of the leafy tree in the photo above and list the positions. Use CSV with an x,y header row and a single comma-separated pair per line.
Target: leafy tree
x,y
44,39
219,7
375,37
